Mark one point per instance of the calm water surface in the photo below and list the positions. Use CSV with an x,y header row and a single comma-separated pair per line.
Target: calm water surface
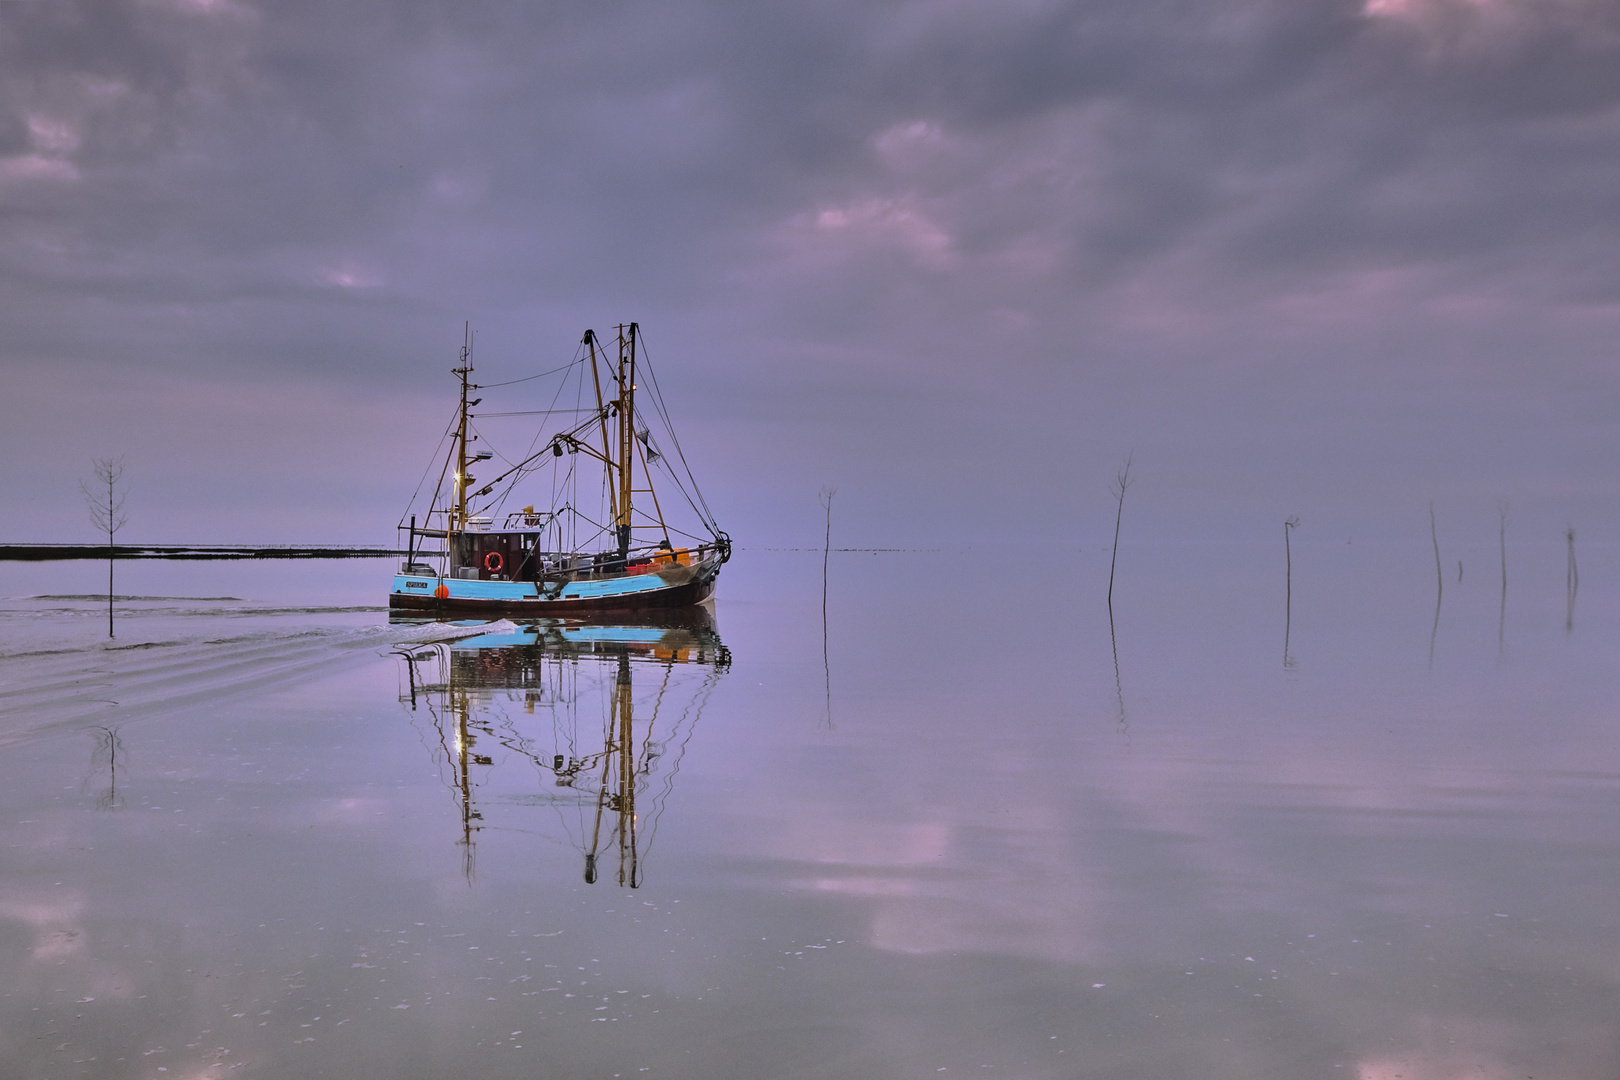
x,y
955,830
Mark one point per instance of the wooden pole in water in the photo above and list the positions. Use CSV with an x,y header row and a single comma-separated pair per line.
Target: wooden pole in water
x,y
1434,537
825,497
1289,526
1501,615
1288,557
1120,484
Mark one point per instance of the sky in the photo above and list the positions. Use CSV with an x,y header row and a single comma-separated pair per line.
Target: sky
x,y
1337,259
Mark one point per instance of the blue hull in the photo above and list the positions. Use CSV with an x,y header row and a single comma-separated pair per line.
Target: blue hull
x,y
684,587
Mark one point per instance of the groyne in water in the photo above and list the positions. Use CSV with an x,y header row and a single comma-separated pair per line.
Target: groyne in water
x,y
57,552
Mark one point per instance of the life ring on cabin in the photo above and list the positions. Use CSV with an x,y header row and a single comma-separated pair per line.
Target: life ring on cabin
x,y
493,562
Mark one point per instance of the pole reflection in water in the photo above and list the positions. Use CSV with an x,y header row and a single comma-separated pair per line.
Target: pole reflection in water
x,y
1439,586
1119,684
525,698
1572,582
108,753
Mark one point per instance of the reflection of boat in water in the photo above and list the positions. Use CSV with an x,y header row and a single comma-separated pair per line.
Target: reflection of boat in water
x,y
595,537
590,719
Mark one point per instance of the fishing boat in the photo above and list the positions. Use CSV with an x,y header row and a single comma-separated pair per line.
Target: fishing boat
x,y
600,540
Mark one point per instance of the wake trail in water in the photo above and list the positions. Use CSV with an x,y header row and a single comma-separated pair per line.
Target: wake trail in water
x,y
190,659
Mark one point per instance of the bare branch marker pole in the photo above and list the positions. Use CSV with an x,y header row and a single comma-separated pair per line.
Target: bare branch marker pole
x,y
1434,538
105,499
1121,482
825,497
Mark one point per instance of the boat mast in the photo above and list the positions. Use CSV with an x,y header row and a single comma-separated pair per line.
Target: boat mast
x,y
627,429
458,518
601,413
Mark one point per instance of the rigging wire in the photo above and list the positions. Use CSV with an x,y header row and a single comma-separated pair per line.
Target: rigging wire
x,y
536,412
478,435
527,378
498,504
562,385
694,710
708,522
658,403
431,459
661,411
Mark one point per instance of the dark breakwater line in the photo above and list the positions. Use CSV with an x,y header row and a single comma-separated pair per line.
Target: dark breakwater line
x,y
60,552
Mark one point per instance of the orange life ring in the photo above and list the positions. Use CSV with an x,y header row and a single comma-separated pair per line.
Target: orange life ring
x,y
493,562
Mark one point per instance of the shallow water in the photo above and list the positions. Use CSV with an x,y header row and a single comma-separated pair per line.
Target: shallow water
x,y
964,831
